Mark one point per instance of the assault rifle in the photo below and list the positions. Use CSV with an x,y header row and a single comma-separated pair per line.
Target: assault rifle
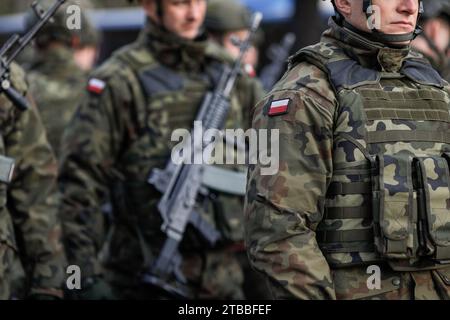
x,y
181,183
278,53
15,45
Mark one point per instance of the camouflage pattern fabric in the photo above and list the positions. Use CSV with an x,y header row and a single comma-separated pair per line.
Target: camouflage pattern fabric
x,y
29,229
345,196
119,134
57,85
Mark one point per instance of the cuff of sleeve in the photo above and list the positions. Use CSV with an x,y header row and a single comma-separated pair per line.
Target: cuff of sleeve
x,y
52,292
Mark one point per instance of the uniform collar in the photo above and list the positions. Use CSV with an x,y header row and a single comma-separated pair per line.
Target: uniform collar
x,y
172,50
368,53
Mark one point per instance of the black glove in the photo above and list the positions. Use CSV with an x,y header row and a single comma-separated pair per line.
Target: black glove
x,y
42,297
95,288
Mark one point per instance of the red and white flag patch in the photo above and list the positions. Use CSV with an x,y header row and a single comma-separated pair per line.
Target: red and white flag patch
x,y
279,107
96,86
251,72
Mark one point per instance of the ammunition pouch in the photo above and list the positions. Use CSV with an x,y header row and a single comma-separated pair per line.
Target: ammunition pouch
x,y
434,207
394,207
411,206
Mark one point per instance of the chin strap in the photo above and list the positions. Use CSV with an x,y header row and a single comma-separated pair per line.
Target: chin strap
x,y
393,38
386,40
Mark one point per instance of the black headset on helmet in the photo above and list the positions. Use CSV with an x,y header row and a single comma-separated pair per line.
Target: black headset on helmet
x,y
159,8
159,12
377,35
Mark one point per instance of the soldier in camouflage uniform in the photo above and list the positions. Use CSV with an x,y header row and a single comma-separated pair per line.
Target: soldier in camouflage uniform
x,y
121,132
363,176
31,254
434,41
56,81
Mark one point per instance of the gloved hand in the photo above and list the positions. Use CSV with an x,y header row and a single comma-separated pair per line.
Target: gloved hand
x,y
44,294
43,297
95,288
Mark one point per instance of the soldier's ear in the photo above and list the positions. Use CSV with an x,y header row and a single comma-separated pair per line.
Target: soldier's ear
x,y
344,7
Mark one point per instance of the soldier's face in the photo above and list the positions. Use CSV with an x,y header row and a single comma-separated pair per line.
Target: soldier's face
x,y
438,30
397,16
182,17
388,16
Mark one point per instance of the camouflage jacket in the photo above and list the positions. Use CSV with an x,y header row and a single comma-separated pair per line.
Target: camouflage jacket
x,y
347,104
56,84
30,233
122,131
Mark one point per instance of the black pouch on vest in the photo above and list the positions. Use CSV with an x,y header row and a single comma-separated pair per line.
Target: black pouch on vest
x,y
434,207
394,207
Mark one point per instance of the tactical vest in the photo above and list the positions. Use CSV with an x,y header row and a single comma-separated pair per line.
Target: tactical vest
x,y
389,196
166,100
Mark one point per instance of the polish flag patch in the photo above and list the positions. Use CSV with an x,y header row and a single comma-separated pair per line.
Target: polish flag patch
x,y
96,86
279,107
251,72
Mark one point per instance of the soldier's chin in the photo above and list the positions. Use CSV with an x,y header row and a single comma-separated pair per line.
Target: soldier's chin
x,y
189,34
399,29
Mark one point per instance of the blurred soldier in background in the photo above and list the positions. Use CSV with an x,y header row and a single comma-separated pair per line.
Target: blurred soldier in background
x,y
226,19
86,51
32,258
87,40
121,132
56,80
434,41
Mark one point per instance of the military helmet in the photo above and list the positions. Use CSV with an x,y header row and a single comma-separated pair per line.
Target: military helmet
x,y
226,16
56,29
436,8
88,35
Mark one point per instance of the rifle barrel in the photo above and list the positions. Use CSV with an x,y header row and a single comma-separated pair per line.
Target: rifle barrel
x,y
23,41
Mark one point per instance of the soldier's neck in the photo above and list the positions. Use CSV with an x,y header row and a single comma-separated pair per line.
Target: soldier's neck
x,y
171,49
368,53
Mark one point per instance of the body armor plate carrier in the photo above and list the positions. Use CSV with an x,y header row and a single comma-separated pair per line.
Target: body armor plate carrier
x,y
389,196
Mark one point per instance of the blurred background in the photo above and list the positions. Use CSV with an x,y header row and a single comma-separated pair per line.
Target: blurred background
x,y
119,22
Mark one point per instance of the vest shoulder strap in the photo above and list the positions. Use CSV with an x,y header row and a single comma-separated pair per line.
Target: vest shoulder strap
x,y
319,55
343,72
346,73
